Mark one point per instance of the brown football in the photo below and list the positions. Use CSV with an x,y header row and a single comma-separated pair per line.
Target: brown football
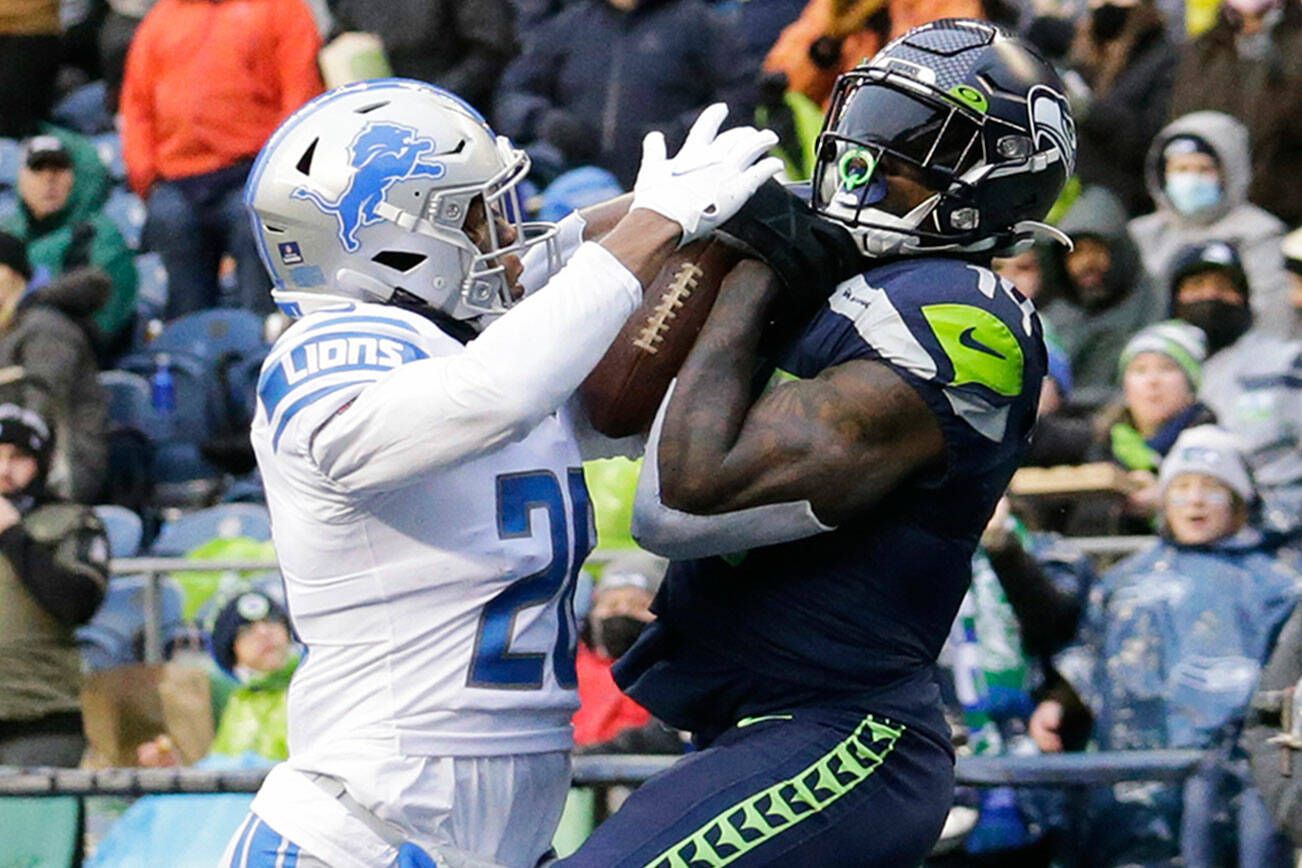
x,y
623,392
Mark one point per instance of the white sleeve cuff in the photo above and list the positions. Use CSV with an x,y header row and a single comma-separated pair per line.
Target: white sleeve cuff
x,y
569,236
681,535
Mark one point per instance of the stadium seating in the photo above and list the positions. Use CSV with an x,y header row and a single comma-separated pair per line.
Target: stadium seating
x,y
196,414
213,357
11,158
230,341
151,296
213,334
127,212
181,474
129,403
124,529
84,111
229,531
241,381
227,520
109,148
115,636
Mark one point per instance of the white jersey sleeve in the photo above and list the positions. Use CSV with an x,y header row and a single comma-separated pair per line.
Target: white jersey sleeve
x,y
432,402
569,237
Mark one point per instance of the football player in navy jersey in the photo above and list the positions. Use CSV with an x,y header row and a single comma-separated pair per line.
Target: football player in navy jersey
x,y
822,515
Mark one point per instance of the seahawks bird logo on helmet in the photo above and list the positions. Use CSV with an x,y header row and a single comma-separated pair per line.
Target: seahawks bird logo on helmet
x,y
955,137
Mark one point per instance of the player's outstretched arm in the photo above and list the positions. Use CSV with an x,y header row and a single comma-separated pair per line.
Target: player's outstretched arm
x,y
840,441
526,364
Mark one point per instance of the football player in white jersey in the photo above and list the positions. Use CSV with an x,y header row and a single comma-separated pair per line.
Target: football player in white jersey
x,y
422,464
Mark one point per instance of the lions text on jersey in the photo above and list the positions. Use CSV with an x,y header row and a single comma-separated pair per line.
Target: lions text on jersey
x,y
430,516
434,607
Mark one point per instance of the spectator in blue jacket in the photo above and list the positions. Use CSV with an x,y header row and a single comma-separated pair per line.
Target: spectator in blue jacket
x,y
1169,653
600,74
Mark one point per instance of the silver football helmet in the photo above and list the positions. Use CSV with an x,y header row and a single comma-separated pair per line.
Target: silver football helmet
x,y
363,195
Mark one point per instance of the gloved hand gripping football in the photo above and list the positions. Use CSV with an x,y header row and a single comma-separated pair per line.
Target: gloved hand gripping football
x,y
809,253
709,178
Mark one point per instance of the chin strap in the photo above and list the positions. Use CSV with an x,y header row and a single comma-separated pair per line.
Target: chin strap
x,y
1026,230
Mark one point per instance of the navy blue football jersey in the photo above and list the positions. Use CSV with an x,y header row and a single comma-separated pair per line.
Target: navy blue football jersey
x,y
857,615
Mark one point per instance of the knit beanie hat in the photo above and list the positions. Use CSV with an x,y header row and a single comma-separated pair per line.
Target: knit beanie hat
x,y
1211,451
247,608
1184,344
1208,256
28,431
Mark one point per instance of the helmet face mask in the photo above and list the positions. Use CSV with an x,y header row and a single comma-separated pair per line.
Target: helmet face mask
x,y
364,195
958,108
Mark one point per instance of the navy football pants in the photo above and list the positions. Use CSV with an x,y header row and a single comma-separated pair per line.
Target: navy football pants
x,y
809,787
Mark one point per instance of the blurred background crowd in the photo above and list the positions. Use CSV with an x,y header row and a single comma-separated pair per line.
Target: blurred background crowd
x,y
134,317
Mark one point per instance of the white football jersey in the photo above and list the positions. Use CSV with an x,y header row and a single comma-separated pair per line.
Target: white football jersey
x,y
438,607
430,517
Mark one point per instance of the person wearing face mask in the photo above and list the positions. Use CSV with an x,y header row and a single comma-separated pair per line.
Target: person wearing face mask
x,y
1100,294
1123,53
1199,172
608,721
1251,380
1210,290
1169,651
1249,65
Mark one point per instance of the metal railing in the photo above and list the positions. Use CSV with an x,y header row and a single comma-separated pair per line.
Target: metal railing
x,y
158,568
1056,770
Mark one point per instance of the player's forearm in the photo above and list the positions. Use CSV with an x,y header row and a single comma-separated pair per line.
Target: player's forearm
x,y
590,224
520,369
601,218
642,241
713,394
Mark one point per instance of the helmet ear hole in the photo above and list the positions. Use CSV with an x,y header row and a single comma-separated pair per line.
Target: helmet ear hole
x,y
304,164
399,260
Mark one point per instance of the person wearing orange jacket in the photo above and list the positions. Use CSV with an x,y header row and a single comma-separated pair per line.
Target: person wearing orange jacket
x,y
831,37
206,83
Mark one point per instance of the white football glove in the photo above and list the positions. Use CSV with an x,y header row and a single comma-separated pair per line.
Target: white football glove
x,y
709,178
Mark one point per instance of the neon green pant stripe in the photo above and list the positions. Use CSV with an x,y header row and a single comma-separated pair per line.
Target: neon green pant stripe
x,y
762,817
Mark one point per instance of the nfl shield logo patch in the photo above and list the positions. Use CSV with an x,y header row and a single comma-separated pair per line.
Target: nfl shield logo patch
x,y
290,254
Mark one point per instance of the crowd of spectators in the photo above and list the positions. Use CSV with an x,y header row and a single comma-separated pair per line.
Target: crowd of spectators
x,y
1174,324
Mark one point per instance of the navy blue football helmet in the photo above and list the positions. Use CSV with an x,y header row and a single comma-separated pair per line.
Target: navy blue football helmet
x,y
967,111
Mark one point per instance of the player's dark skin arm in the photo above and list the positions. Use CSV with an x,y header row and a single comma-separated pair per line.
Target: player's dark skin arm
x,y
842,440
641,240
601,218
